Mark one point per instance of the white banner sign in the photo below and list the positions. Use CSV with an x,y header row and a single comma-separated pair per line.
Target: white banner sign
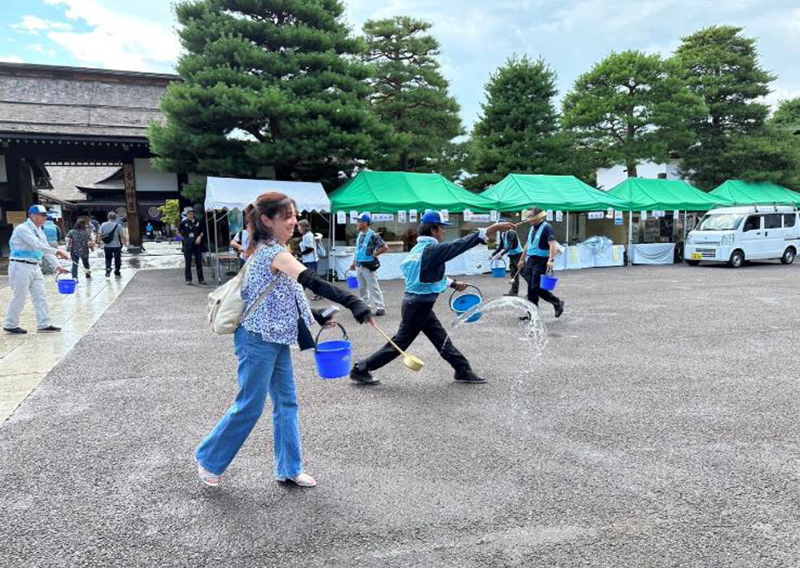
x,y
480,218
412,216
383,217
559,216
610,213
644,215
467,214
494,216
596,214
401,217
353,217
341,218
618,219
676,214
550,215
445,215
659,214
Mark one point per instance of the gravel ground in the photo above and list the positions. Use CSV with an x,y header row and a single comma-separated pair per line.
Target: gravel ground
x,y
658,429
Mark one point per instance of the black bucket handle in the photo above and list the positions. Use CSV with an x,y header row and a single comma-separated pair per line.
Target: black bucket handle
x,y
324,327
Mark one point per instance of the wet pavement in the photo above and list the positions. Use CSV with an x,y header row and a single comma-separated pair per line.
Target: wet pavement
x,y
659,428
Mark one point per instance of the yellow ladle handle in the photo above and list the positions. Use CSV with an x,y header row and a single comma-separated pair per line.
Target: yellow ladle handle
x,y
389,339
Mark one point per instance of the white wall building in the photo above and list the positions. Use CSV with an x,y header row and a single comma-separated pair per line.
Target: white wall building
x,y
607,178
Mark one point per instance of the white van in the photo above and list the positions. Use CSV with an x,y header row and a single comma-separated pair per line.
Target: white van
x,y
737,234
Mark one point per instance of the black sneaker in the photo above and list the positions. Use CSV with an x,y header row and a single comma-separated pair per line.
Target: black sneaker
x,y
380,312
188,282
361,375
511,294
108,273
202,282
117,275
88,275
18,330
49,329
469,377
560,308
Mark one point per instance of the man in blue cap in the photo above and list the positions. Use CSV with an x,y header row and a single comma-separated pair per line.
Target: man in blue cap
x,y
29,246
369,246
423,270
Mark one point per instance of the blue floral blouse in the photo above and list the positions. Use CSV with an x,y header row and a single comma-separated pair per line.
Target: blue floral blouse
x,y
276,317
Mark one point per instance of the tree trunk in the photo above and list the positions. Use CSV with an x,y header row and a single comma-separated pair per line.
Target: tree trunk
x,y
404,159
632,173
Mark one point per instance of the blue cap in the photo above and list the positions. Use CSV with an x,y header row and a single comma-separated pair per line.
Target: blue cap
x,y
435,218
37,210
366,218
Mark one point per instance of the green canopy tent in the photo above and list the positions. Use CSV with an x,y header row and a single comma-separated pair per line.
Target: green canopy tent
x,y
516,192
389,192
640,194
738,192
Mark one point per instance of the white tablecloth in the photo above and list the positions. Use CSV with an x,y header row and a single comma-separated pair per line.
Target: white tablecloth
x,y
466,264
654,253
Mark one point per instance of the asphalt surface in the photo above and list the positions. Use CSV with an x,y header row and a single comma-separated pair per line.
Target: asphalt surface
x,y
658,429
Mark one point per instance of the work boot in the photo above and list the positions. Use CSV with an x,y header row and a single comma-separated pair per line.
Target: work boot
x,y
361,375
17,330
559,308
468,376
108,273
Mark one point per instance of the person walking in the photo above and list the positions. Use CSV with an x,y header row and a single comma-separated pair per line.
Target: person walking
x,y
369,246
423,270
308,248
538,257
79,241
113,239
29,246
275,310
192,232
508,243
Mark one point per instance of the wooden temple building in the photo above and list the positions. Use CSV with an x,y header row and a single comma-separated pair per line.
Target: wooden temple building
x,y
77,138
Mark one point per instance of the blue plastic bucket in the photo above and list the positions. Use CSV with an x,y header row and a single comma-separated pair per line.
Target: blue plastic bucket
x,y
497,270
66,285
352,281
548,282
333,357
465,302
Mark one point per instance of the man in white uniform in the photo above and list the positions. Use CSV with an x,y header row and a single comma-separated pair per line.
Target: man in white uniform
x,y
308,249
29,246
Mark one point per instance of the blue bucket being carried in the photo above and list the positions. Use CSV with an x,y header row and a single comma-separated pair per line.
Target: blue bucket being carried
x,y
352,280
66,285
548,281
465,302
498,271
333,357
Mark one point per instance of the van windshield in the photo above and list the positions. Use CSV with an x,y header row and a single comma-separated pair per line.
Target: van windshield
x,y
728,222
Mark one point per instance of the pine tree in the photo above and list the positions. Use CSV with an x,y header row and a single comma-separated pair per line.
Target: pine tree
x,y
721,66
518,130
631,107
410,94
267,87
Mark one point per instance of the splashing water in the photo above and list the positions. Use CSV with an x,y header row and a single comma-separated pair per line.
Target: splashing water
x,y
500,320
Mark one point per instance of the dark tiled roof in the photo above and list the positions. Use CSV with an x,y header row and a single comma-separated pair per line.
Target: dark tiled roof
x,y
66,180
40,99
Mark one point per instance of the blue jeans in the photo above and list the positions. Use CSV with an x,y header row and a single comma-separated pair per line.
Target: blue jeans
x,y
263,368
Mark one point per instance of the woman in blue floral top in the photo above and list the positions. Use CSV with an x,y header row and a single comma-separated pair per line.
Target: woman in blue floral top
x,y
263,340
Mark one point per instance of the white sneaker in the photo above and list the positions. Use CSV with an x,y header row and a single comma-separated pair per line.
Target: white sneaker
x,y
207,477
302,480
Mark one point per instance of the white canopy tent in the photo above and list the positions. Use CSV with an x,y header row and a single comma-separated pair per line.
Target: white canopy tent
x,y
224,194
234,193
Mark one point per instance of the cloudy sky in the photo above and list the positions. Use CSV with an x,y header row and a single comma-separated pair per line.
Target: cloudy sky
x,y
476,35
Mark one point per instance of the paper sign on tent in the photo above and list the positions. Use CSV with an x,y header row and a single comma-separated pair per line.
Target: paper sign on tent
x,y
341,218
494,216
444,214
401,216
550,215
383,217
353,217
412,215
644,215
618,219
559,216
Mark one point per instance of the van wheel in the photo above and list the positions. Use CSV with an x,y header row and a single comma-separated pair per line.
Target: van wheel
x,y
737,259
692,262
788,256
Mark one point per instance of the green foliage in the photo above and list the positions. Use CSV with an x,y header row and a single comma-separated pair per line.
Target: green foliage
x,y
266,84
721,66
194,192
171,212
410,94
767,155
518,130
787,116
631,107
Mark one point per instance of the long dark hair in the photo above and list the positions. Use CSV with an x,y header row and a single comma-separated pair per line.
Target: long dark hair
x,y
270,204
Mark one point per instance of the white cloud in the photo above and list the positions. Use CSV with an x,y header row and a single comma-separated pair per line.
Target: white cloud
x,y
11,59
39,48
117,40
34,25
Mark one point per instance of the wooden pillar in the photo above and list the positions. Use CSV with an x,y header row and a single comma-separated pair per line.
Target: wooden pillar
x,y
134,234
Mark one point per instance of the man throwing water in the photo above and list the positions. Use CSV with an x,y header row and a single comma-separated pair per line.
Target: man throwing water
x,y
423,270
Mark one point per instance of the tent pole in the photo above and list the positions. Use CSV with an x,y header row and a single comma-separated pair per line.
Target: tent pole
x,y
208,239
216,250
331,240
630,238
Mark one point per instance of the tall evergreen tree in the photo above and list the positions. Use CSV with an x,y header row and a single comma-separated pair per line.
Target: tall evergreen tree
x,y
721,66
631,107
410,94
267,86
518,130
787,116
